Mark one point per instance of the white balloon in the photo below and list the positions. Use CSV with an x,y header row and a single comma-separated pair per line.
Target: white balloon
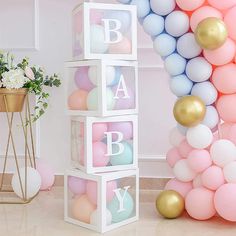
x,y
32,186
197,182
183,172
198,69
182,129
97,39
199,137
161,7
229,172
170,23
223,152
94,218
175,137
187,46
211,118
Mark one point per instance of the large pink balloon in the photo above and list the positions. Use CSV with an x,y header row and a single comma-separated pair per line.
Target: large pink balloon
x,y
230,22
184,148
100,159
189,5
225,202
223,78
222,55
201,14
173,156
99,130
222,4
181,187
199,204
225,106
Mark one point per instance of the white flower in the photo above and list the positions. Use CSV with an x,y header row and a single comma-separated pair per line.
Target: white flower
x,y
29,73
14,79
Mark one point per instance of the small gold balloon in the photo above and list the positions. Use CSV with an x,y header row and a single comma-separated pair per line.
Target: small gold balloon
x,y
211,33
189,111
170,204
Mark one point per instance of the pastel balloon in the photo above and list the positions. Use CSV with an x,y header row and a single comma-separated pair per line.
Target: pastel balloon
x,y
164,44
143,7
95,16
223,152
100,157
114,206
203,13
203,207
175,64
184,148
206,91
77,185
198,69
199,137
213,178
77,100
180,85
173,156
162,7
153,24
126,128
98,131
211,118
95,216
199,160
187,46
222,55
183,172
175,137
183,23
223,78
122,47
82,80
230,173
225,202
189,5
222,5
78,22
180,187
47,174
197,182
82,209
183,130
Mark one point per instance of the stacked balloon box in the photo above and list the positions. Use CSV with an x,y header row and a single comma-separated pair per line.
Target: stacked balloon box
x,y
102,186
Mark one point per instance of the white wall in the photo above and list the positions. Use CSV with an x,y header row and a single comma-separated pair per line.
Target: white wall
x,y
156,101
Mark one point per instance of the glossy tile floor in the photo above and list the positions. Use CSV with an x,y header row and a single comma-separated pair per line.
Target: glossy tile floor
x,y
44,217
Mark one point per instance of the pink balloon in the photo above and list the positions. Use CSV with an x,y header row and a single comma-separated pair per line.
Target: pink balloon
x,y
201,14
230,22
47,174
189,5
181,187
184,148
100,158
122,47
223,78
173,156
222,55
225,202
126,128
232,134
213,178
224,130
82,80
199,204
95,16
222,4
225,106
77,185
78,100
199,160
99,130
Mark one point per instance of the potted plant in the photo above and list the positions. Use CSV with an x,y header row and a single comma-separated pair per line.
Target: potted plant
x,y
17,80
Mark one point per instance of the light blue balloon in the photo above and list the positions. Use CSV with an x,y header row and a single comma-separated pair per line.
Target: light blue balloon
x,y
181,85
175,64
153,24
143,7
124,1
117,77
114,207
124,158
206,91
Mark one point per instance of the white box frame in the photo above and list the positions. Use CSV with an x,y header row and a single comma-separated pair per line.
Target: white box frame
x,y
101,66
87,55
88,121
101,180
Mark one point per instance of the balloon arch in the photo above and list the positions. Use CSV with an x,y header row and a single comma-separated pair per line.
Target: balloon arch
x,y
197,41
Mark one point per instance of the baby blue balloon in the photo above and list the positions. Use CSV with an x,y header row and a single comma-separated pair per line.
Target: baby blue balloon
x,y
175,64
143,7
117,77
153,24
114,207
124,158
164,44
181,85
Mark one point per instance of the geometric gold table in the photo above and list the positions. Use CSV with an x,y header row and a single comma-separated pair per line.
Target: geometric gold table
x,y
11,105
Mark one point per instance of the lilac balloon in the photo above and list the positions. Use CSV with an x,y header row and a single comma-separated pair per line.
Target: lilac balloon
x,y
82,80
126,128
77,185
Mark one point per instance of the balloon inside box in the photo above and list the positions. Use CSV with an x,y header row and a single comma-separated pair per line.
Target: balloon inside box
x,y
104,31
101,202
104,144
102,88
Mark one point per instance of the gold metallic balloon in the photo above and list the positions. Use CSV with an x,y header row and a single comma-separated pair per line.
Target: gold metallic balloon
x,y
170,204
211,33
189,111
